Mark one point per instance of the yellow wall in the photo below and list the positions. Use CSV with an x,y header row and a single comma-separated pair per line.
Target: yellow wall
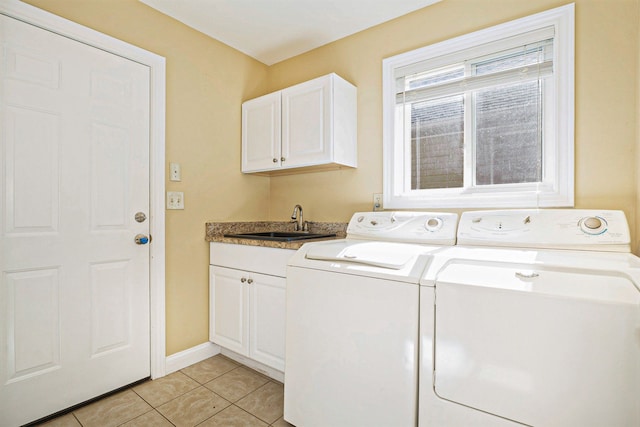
x,y
606,84
207,81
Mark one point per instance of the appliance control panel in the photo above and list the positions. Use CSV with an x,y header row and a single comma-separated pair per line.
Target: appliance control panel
x,y
579,229
411,227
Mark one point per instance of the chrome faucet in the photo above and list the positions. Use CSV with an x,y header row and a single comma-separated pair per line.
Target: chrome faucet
x,y
297,216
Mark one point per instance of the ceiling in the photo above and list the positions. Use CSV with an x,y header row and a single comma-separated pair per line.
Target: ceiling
x,y
274,30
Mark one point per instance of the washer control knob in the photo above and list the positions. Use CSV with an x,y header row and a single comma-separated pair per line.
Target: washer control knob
x,y
433,224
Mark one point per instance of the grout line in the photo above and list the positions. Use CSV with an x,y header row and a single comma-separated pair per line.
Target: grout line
x,y
253,415
162,415
74,416
138,416
143,399
197,386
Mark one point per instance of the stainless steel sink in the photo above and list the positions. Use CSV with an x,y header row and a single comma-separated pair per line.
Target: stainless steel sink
x,y
280,236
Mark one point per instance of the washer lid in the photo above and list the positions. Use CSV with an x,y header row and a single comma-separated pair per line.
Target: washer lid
x,y
379,254
540,345
402,262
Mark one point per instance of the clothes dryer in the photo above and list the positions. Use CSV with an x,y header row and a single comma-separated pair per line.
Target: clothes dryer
x,y
532,319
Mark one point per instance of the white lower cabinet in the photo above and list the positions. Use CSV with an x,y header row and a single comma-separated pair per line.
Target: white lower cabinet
x,y
247,306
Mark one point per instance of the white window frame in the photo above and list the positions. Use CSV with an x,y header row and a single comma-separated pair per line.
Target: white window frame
x,y
556,188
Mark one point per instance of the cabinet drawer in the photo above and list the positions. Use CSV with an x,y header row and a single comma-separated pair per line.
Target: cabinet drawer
x,y
272,261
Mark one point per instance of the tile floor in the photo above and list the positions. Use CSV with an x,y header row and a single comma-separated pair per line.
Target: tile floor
x,y
215,392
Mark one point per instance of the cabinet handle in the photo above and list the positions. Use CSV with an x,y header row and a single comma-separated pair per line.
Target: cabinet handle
x,y
521,275
250,281
282,159
243,280
275,160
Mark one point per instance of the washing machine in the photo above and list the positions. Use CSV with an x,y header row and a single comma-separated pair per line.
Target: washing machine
x,y
532,319
352,321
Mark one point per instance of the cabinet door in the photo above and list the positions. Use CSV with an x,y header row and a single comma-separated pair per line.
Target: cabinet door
x,y
306,123
261,133
229,302
267,320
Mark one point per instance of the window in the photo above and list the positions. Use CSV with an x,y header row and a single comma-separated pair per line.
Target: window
x,y
483,120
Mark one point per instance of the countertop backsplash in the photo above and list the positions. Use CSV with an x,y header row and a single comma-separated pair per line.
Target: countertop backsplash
x,y
215,232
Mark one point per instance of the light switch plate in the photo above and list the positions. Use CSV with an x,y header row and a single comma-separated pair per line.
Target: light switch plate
x,y
377,202
175,200
174,172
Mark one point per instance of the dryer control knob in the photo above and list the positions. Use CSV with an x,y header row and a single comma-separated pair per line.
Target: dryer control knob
x,y
433,224
592,223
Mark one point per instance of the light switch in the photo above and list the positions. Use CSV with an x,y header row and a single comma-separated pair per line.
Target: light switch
x,y
174,172
175,200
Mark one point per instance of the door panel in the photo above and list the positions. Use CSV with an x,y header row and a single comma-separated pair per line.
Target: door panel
x,y
34,336
109,178
31,144
74,286
111,302
306,123
230,326
261,133
268,312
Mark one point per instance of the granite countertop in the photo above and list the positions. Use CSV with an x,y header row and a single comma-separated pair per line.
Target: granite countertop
x,y
215,232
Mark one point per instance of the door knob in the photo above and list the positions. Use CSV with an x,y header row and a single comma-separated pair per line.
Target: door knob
x,y
141,239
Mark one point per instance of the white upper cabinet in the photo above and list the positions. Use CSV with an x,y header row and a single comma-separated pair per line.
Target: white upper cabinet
x,y
261,133
306,127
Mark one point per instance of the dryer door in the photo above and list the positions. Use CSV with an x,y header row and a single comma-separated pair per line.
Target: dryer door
x,y
543,346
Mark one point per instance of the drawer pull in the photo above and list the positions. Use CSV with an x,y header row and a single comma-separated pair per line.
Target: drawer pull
x,y
531,275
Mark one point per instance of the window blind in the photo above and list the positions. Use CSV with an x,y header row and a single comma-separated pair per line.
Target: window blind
x,y
541,68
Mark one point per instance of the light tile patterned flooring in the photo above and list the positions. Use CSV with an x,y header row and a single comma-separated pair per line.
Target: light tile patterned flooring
x,y
213,393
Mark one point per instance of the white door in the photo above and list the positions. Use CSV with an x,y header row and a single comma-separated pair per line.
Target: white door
x,y
74,163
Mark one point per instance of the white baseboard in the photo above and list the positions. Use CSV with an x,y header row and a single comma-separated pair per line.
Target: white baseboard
x,y
260,367
192,355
